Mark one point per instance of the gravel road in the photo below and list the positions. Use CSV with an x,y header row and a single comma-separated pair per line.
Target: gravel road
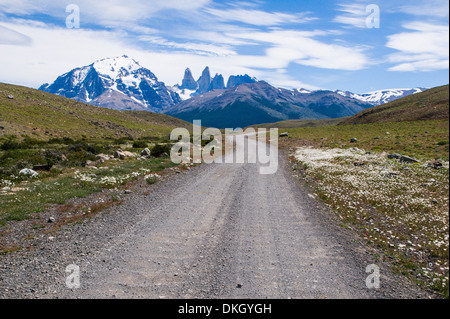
x,y
215,231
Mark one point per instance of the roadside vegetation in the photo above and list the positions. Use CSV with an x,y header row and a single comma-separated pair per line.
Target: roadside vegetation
x,y
399,205
35,174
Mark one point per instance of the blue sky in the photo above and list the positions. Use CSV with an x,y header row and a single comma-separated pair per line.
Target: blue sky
x,y
292,44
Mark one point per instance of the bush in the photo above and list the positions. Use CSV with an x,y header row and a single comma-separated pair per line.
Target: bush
x,y
140,144
159,150
53,157
10,144
89,148
80,157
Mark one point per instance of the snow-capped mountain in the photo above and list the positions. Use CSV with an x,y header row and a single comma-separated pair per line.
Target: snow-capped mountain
x,y
119,83
383,96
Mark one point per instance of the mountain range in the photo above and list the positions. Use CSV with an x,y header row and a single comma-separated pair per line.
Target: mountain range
x,y
121,83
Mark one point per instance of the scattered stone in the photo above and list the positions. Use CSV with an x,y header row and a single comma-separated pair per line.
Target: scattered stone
x,y
394,156
124,154
358,150
407,159
127,191
359,163
436,165
388,174
29,172
51,220
89,163
146,152
102,157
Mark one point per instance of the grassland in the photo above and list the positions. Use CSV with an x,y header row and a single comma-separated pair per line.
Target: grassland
x,y
62,139
422,139
302,123
26,112
399,208
429,105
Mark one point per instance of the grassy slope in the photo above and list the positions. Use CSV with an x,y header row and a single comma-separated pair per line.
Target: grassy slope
x,y
41,115
430,105
302,123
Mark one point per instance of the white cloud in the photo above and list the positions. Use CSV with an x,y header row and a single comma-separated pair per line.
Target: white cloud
x,y
424,48
11,37
353,15
429,8
55,51
258,17
301,48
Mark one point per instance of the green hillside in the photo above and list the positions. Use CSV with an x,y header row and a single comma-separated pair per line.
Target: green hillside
x,y
302,123
42,116
429,105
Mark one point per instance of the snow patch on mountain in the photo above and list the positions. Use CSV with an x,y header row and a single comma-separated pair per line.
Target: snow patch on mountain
x,y
120,74
382,96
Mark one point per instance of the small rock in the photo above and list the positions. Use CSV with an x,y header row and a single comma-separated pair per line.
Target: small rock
x,y
28,172
89,163
407,159
11,97
285,134
51,220
435,165
127,191
102,157
354,140
394,156
145,152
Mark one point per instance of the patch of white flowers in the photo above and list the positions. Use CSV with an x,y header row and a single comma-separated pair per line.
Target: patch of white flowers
x,y
401,206
109,180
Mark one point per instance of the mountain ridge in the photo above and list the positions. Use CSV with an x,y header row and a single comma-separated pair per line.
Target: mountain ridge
x,y
121,74
259,102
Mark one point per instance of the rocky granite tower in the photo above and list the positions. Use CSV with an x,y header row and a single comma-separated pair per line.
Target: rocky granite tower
x,y
188,81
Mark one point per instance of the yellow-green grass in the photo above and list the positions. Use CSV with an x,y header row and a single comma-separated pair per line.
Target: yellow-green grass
x,y
19,199
432,104
302,123
422,139
42,115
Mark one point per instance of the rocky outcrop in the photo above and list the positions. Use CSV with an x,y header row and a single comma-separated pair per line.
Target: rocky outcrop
x,y
188,81
234,80
218,83
204,81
